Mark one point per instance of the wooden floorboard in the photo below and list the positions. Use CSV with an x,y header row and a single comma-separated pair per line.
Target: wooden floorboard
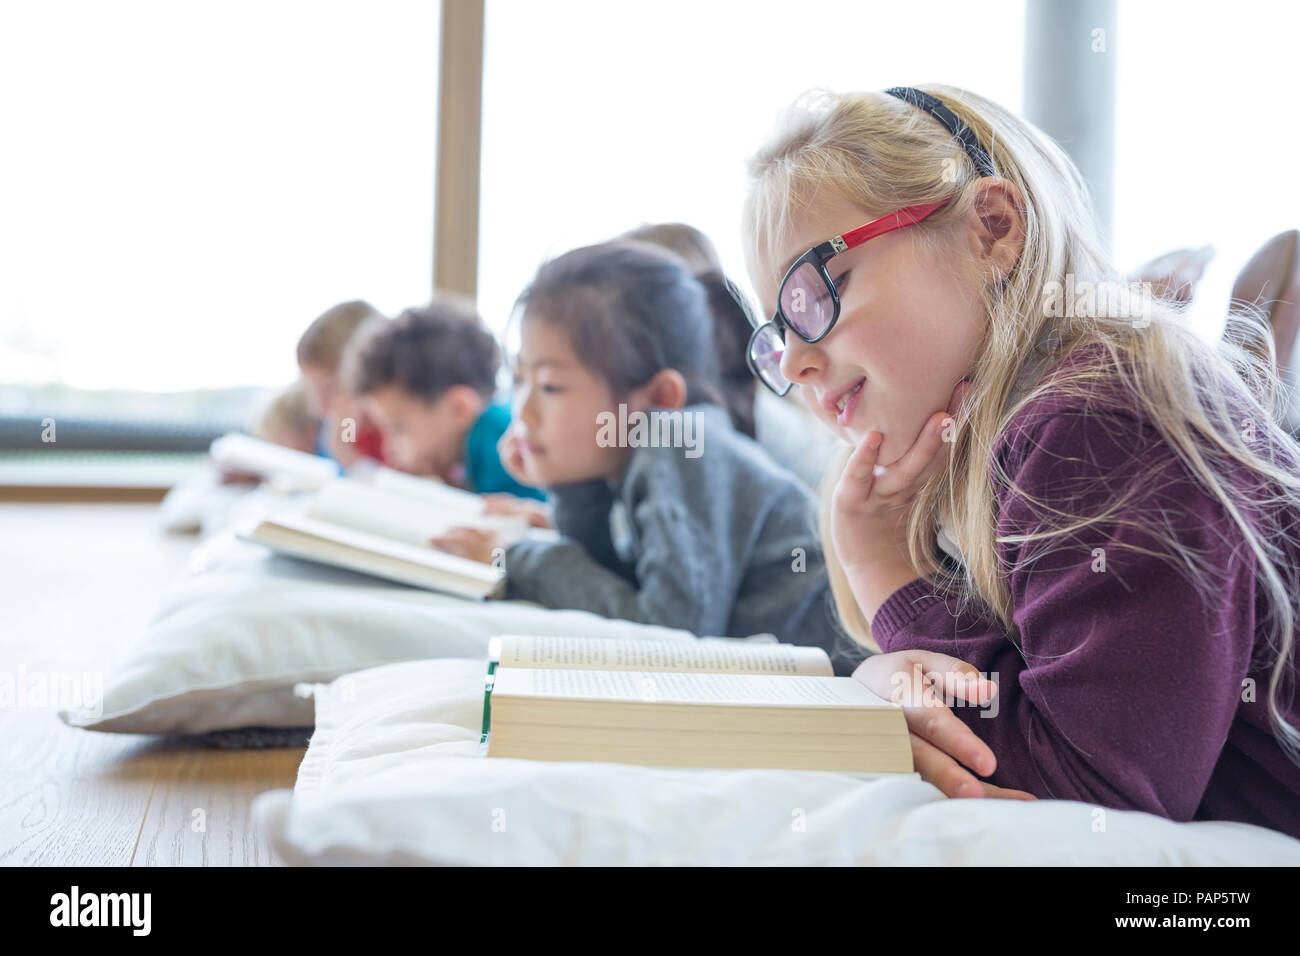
x,y
199,814
78,584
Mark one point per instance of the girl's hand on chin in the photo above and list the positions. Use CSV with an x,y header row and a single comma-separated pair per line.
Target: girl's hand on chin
x,y
871,502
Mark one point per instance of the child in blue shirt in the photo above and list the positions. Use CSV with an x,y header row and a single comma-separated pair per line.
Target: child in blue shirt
x,y
482,463
427,379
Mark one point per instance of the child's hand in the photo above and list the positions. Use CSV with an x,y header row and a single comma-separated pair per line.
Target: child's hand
x,y
473,543
233,476
872,502
921,681
512,457
503,503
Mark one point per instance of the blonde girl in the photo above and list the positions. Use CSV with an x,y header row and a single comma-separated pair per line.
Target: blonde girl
x,y
1058,498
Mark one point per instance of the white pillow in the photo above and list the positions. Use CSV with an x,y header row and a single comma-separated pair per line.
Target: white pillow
x,y
394,775
201,503
231,641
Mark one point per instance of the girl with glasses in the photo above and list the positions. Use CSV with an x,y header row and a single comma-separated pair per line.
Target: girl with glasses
x,y
1050,481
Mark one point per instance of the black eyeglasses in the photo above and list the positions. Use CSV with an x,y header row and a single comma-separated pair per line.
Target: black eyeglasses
x,y
808,303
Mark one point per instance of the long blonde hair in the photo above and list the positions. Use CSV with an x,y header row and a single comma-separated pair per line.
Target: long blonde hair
x,y
880,153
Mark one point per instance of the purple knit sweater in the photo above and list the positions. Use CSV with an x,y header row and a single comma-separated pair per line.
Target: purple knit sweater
x,y
1127,688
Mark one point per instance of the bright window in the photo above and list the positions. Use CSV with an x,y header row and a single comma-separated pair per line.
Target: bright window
x,y
1206,137
185,186
598,117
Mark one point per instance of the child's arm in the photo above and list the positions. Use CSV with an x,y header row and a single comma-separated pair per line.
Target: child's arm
x,y
504,503
1127,677
683,576
581,512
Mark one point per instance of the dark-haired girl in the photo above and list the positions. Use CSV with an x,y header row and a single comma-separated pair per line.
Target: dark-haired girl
x,y
678,520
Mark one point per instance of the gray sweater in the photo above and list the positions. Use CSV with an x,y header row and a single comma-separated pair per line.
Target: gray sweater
x,y
724,543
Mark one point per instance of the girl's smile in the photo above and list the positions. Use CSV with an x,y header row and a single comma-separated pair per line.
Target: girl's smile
x,y
842,402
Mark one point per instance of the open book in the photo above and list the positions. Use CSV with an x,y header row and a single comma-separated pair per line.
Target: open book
x,y
386,532
286,467
432,490
706,703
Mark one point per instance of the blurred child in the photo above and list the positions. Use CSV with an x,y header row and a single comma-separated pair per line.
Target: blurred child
x,y
731,326
288,420
428,380
717,539
347,434
781,427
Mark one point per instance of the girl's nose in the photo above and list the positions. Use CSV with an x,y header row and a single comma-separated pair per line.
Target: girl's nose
x,y
526,407
801,363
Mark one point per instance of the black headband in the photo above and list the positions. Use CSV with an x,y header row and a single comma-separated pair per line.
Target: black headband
x,y
948,118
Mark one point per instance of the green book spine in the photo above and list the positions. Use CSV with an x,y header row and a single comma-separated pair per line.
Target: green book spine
x,y
487,701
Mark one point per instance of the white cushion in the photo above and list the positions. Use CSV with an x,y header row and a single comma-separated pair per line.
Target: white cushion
x,y
230,641
201,503
394,775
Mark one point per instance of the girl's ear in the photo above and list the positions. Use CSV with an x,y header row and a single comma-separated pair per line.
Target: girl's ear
x,y
999,218
666,390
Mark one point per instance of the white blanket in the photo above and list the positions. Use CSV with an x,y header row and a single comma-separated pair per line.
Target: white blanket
x,y
394,775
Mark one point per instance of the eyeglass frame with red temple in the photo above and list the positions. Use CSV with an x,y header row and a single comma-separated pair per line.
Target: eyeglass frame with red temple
x,y
818,256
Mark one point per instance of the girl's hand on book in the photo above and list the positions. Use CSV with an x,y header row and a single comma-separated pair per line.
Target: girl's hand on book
x,y
922,682
502,503
473,543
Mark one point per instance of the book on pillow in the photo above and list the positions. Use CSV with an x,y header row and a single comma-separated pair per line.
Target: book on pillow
x,y
433,490
706,703
286,467
380,531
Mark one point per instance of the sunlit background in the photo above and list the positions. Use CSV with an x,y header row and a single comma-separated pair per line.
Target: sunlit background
x,y
185,185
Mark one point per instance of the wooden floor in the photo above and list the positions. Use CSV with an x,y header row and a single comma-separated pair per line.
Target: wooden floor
x,y
77,581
